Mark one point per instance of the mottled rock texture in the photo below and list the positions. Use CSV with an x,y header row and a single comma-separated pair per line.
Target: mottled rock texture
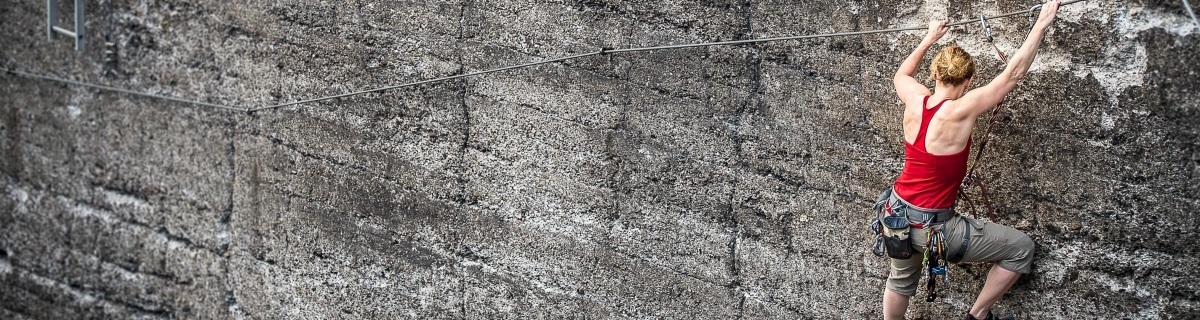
x,y
716,182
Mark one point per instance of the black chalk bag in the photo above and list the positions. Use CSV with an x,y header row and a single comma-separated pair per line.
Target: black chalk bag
x,y
896,237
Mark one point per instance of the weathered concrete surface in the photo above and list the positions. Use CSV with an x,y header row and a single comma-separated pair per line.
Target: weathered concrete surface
x,y
720,182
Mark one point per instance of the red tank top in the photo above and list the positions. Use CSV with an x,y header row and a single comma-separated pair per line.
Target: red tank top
x,y
930,181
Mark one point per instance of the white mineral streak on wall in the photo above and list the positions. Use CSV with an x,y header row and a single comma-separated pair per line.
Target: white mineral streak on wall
x,y
20,196
118,199
1123,64
5,267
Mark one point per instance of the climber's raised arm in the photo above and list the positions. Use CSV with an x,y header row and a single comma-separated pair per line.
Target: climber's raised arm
x,y
907,86
978,101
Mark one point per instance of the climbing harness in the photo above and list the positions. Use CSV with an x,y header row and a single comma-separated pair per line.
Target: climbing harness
x,y
894,221
893,225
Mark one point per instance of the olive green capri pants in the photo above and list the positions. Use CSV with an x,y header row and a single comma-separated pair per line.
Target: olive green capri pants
x,y
990,242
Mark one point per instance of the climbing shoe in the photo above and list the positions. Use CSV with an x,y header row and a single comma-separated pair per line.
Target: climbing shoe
x,y
1007,316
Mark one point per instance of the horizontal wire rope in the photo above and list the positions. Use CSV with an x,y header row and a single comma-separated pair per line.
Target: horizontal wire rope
x,y
681,46
103,87
1031,10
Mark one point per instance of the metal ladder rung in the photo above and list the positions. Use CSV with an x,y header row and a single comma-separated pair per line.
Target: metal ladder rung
x,y
52,22
66,32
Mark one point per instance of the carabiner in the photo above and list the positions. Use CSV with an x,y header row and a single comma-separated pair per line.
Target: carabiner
x,y
1033,13
987,29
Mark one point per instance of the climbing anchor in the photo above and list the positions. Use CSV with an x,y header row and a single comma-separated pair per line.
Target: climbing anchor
x,y
987,31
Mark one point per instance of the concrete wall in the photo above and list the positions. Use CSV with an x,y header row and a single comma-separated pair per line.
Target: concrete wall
x,y
718,182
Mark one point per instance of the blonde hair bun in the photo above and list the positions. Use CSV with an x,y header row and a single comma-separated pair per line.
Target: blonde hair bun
x,y
953,65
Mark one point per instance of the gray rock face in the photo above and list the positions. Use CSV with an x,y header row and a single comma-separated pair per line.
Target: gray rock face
x,y
714,182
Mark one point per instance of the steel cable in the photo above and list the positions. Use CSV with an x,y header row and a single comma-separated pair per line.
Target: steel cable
x,y
103,87
681,46
602,51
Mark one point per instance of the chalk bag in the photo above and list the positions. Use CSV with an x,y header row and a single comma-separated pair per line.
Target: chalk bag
x,y
896,237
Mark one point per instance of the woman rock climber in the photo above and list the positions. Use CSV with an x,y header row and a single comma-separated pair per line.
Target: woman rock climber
x,y
937,135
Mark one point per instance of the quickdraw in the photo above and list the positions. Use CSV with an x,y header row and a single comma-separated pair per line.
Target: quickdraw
x,y
934,263
987,31
881,204
876,231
